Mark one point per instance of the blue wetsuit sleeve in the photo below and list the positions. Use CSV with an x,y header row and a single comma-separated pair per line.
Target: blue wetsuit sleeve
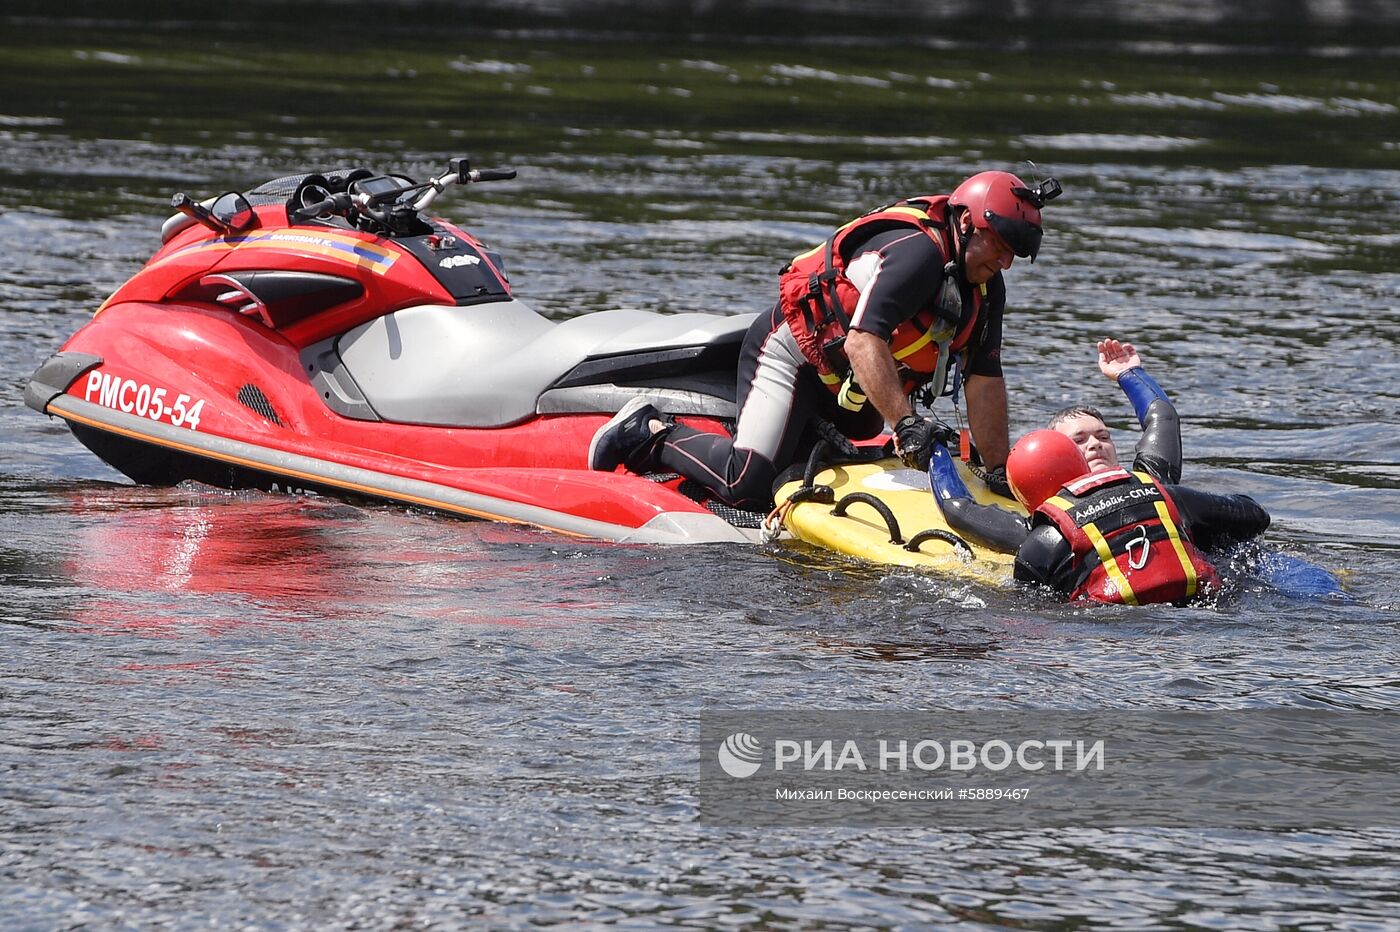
x,y
1141,390
943,475
1159,447
986,525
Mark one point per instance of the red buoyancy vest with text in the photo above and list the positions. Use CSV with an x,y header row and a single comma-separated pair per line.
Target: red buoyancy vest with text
x,y
817,297
1128,543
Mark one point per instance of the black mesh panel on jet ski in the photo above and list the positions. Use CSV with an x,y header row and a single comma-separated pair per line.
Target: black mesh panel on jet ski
x,y
696,492
279,189
739,517
736,516
275,191
252,398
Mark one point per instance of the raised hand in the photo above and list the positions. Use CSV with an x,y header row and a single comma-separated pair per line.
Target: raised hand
x,y
1115,358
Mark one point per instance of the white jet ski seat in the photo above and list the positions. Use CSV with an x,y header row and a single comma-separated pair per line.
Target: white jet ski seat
x,y
498,363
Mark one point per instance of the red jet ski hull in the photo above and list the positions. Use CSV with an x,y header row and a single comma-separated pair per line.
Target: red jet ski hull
x,y
214,400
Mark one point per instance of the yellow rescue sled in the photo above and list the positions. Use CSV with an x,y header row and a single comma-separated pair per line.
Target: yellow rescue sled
x,y
885,512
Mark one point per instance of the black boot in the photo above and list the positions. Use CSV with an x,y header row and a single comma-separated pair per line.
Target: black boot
x,y
627,438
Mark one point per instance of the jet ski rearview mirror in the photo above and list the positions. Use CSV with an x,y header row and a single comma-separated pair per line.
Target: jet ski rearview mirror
x,y
199,213
234,211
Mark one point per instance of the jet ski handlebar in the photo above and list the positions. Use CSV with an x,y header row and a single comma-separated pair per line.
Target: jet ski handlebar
x,y
335,204
375,197
459,171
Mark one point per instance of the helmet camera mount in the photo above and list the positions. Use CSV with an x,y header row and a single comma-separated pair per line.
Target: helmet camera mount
x,y
1047,190
1043,192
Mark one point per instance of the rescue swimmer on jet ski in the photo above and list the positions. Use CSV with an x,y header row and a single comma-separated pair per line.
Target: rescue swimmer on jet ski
x,y
863,321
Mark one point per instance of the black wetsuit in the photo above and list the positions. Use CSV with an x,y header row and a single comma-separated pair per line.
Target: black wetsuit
x,y
778,391
1044,556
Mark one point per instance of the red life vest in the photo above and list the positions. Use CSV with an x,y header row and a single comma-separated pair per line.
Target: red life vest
x,y
817,297
1128,544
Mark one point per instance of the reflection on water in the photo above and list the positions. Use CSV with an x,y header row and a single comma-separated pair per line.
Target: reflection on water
x,y
243,709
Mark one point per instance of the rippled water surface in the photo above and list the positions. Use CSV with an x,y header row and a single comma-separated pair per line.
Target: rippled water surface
x,y
235,708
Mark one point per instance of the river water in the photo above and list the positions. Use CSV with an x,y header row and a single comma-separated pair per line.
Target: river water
x,y
225,709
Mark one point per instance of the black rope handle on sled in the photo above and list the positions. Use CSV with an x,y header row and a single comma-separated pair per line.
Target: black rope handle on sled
x,y
831,440
865,498
948,537
810,491
772,525
892,525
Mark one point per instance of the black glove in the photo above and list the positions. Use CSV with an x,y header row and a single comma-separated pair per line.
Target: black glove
x,y
914,440
996,481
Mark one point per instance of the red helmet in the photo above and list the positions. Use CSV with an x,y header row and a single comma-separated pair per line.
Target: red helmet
x,y
1041,462
1002,201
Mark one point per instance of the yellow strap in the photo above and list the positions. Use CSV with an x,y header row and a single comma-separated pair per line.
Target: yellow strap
x,y
924,339
920,215
923,217
1110,564
830,378
1186,565
850,396
911,211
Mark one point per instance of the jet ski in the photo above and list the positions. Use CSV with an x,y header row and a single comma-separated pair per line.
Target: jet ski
x,y
325,333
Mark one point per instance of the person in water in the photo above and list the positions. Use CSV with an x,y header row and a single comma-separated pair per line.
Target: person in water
x,y
1096,530
873,313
